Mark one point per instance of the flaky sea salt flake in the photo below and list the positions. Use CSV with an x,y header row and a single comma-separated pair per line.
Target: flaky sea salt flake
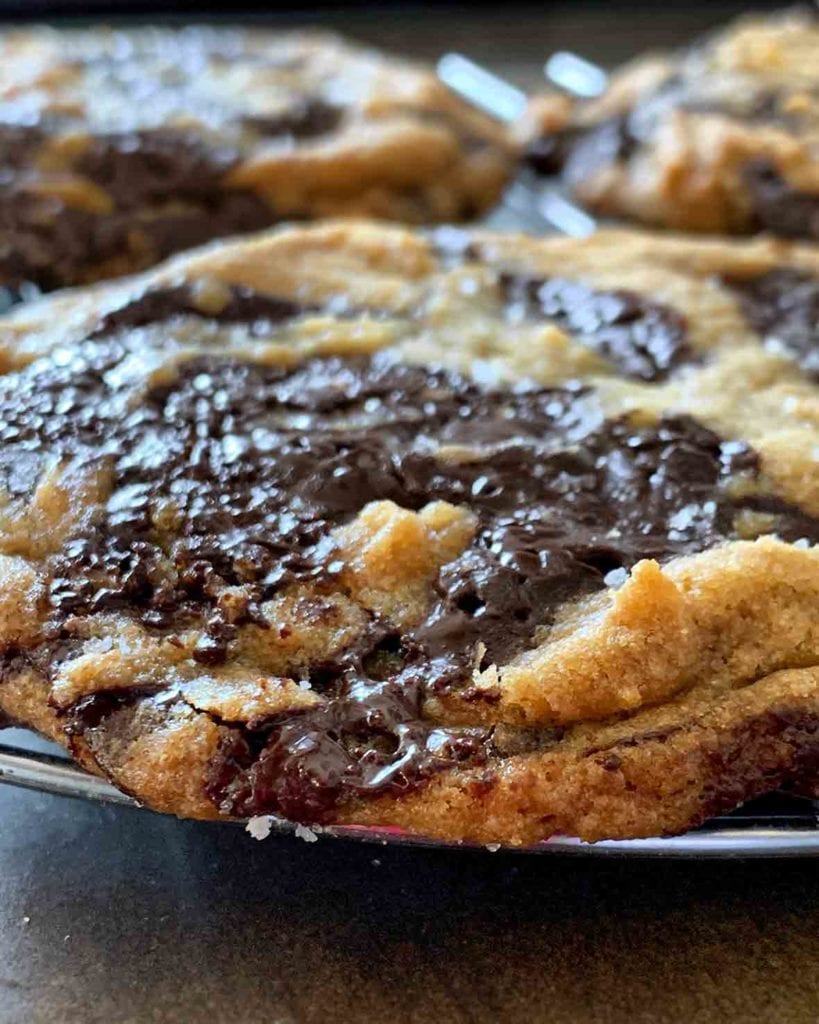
x,y
615,577
259,827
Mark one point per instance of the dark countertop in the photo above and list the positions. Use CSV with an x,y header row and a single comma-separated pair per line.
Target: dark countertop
x,y
117,916
123,916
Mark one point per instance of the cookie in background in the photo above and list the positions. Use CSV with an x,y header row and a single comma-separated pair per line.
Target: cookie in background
x,y
118,148
722,137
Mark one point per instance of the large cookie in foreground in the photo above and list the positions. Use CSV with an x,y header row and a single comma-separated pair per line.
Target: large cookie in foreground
x,y
484,536
723,137
118,148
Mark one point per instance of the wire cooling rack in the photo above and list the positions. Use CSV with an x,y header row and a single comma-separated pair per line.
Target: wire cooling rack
x,y
777,825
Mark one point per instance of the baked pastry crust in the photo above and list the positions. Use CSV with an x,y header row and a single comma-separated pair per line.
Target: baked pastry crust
x,y
484,536
722,137
122,147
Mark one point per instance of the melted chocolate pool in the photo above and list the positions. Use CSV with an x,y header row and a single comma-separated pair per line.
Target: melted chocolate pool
x,y
261,463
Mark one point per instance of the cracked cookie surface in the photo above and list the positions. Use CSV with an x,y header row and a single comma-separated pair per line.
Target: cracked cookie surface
x,y
484,536
723,137
122,147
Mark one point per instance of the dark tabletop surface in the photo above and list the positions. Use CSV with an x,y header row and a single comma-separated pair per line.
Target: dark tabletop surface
x,y
123,916
118,916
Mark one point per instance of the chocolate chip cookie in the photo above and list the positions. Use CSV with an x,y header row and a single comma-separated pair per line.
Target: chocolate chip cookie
x,y
723,137
483,536
118,148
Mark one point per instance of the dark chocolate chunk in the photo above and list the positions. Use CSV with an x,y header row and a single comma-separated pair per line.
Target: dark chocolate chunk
x,y
783,307
241,305
49,244
777,207
641,338
140,168
19,144
44,241
145,167
307,117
